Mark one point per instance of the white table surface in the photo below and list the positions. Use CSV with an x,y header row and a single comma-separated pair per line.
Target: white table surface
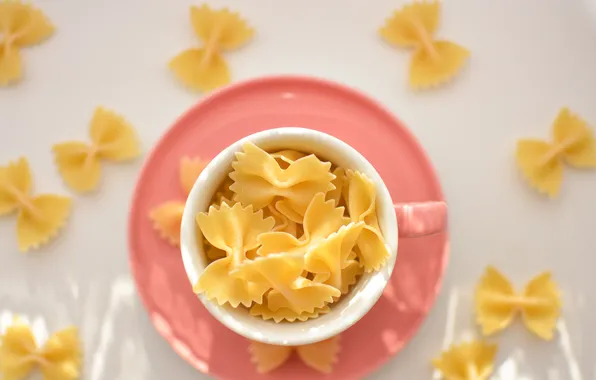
x,y
529,58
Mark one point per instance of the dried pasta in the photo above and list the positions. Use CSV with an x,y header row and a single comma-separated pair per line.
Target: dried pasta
x,y
21,25
112,138
434,61
320,356
205,68
39,218
497,304
258,179
58,359
541,162
167,216
233,230
279,243
467,361
361,203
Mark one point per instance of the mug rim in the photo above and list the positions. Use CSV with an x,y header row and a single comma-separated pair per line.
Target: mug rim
x,y
189,246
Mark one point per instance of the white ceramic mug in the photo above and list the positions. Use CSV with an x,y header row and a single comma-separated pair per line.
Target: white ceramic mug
x,y
368,289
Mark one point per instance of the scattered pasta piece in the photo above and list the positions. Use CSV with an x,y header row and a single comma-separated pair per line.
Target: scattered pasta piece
x,y
233,230
542,163
112,138
282,273
58,359
320,356
39,218
467,361
258,179
433,62
167,217
497,304
361,202
205,68
21,25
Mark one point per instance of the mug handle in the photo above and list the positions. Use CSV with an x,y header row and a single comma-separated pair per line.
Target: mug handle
x,y
415,219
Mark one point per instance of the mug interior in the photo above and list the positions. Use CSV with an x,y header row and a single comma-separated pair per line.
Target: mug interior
x,y
352,306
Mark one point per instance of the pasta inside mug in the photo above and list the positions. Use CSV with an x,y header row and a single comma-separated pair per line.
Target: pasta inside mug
x,y
351,306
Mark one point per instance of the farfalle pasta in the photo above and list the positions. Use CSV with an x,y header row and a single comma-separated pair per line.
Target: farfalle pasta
x,y
289,235
497,304
434,61
40,217
541,162
112,139
21,25
60,358
472,360
320,356
205,68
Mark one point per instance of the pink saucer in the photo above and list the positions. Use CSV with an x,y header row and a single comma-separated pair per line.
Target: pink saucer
x,y
266,103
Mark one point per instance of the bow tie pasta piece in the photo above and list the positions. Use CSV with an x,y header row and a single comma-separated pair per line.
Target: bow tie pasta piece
x,y
497,304
205,68
541,162
234,229
285,314
167,217
281,272
320,356
258,179
433,62
112,138
321,219
330,256
58,359
217,283
21,25
361,207
467,361
39,218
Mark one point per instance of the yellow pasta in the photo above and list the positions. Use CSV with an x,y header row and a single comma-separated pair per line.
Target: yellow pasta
x,y
39,218
541,162
282,274
58,359
167,217
112,138
361,199
285,314
321,219
434,61
282,247
467,361
320,356
258,179
497,304
205,68
331,256
233,230
21,25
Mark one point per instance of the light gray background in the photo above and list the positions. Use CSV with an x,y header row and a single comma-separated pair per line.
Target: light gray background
x,y
529,58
